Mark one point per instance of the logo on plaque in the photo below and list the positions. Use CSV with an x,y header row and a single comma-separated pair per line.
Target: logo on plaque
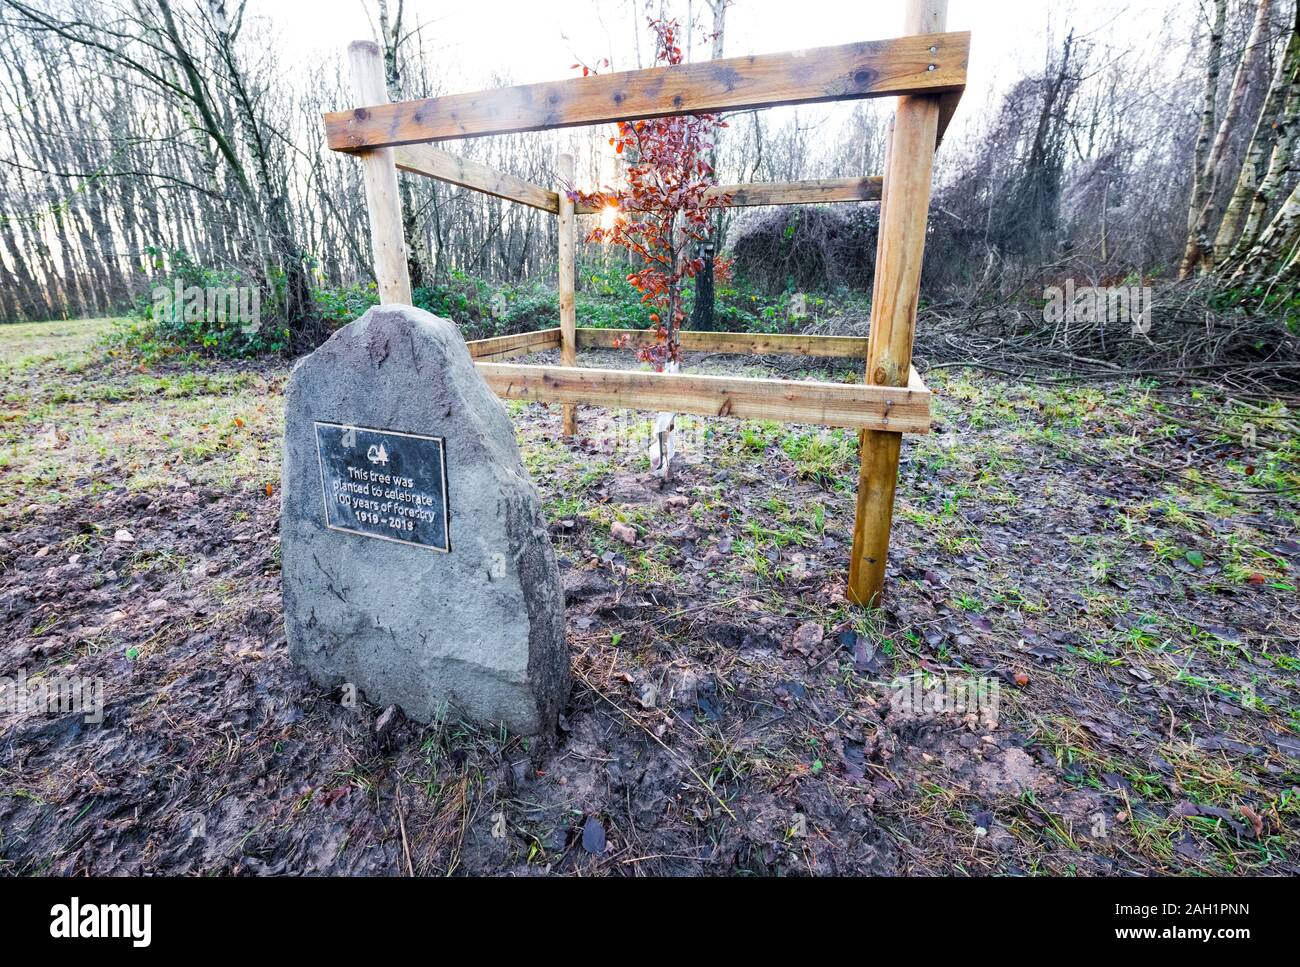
x,y
385,484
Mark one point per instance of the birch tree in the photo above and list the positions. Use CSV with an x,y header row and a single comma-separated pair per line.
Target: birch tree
x,y
1268,167
1198,252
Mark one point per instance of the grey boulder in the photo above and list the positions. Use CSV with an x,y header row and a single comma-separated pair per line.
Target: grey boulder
x,y
477,631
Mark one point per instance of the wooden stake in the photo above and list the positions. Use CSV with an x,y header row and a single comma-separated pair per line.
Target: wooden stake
x,y
899,250
568,312
383,203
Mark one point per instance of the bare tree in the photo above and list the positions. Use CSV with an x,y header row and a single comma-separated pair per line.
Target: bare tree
x,y
702,313
1212,163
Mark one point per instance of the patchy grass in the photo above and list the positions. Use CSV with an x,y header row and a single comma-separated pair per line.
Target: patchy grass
x,y
1120,561
87,418
25,345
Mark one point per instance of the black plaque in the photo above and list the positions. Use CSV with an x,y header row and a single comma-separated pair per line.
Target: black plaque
x,y
380,483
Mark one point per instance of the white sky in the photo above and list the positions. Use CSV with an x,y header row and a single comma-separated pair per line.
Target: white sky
x,y
538,40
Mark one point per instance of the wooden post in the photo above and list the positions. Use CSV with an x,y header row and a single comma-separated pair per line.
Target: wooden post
x,y
568,313
880,212
899,250
383,203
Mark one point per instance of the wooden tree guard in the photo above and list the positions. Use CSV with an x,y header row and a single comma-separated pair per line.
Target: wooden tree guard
x,y
925,69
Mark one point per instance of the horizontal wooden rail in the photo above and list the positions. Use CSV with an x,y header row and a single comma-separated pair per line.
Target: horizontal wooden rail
x,y
425,159
800,192
745,343
927,63
519,344
855,405
813,192
696,341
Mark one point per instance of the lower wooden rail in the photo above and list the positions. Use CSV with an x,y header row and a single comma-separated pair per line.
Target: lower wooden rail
x,y
859,406
855,405
519,344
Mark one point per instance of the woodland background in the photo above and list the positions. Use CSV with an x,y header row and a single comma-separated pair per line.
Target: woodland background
x,y
146,140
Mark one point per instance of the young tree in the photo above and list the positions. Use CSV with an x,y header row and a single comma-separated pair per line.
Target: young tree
x,y
663,210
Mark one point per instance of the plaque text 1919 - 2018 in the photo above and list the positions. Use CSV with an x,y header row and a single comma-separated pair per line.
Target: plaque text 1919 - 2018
x,y
385,484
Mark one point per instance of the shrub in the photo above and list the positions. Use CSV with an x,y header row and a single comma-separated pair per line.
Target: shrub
x,y
213,326
807,248
340,306
605,299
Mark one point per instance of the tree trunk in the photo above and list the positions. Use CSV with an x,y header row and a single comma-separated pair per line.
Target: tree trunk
x,y
1268,130
1284,126
1201,153
269,201
1198,253
703,315
1274,248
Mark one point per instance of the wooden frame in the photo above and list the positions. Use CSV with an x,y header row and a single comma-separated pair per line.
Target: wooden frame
x,y
925,69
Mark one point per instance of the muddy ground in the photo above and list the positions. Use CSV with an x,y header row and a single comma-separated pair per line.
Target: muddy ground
x,y
1112,569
